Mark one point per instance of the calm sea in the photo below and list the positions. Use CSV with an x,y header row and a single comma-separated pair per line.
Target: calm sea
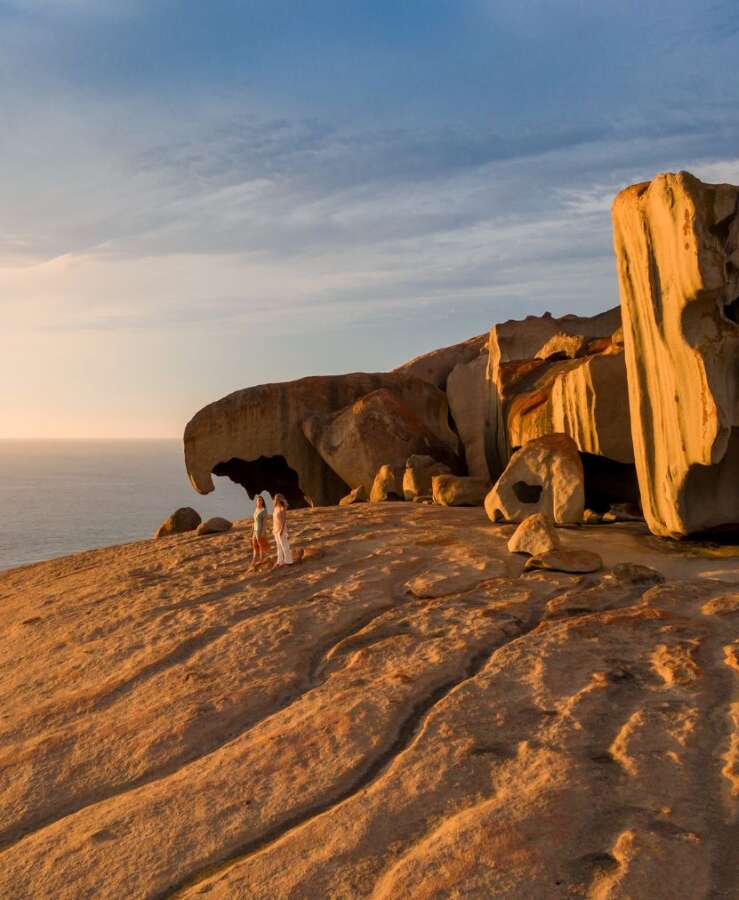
x,y
57,497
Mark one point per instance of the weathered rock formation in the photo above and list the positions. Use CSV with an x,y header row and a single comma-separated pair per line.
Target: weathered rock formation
x,y
677,248
559,375
375,430
255,436
545,476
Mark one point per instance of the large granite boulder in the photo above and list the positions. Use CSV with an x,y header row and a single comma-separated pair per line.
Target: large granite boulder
x,y
435,367
677,248
546,476
182,520
255,436
376,429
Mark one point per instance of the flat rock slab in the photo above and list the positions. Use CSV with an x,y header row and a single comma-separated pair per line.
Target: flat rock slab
x,y
175,725
575,561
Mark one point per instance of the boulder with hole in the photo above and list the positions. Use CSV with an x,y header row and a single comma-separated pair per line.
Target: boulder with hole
x,y
545,476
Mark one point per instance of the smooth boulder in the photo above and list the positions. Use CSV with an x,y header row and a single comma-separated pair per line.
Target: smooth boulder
x,y
677,252
216,525
419,470
535,535
375,430
456,490
545,476
182,520
387,485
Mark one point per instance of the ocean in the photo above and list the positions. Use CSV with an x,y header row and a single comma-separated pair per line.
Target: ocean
x,y
58,497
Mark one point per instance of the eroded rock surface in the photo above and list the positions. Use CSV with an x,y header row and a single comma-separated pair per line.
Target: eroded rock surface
x,y
255,436
677,249
396,716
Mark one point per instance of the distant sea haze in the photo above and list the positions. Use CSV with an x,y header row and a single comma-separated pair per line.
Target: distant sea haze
x,y
59,497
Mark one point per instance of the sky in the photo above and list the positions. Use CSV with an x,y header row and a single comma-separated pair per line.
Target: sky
x,y
196,197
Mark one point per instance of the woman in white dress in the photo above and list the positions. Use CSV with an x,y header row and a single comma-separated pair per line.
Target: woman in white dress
x,y
279,530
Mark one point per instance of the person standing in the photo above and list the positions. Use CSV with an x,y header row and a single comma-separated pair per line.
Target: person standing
x,y
259,533
279,530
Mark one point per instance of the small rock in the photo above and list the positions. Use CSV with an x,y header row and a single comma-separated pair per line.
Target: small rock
x,y
419,470
535,535
183,519
574,561
388,484
423,498
591,517
216,525
456,490
358,495
623,512
631,573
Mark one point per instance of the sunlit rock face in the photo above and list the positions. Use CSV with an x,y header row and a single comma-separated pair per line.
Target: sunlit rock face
x,y
677,247
255,436
564,375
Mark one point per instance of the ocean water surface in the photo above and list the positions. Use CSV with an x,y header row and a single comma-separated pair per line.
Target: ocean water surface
x,y
58,497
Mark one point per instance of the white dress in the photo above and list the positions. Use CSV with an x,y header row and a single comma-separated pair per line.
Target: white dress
x,y
284,553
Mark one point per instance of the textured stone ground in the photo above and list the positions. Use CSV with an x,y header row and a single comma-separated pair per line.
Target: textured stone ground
x,y
403,716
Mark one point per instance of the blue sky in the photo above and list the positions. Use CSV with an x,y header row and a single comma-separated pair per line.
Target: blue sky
x,y
196,197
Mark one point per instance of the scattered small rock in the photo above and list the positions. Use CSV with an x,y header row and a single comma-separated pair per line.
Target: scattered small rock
x,y
216,525
183,519
358,495
419,470
623,512
574,561
631,573
388,484
457,490
535,535
591,517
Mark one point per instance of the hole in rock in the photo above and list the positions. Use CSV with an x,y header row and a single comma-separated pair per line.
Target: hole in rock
x,y
268,473
731,310
608,481
527,493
